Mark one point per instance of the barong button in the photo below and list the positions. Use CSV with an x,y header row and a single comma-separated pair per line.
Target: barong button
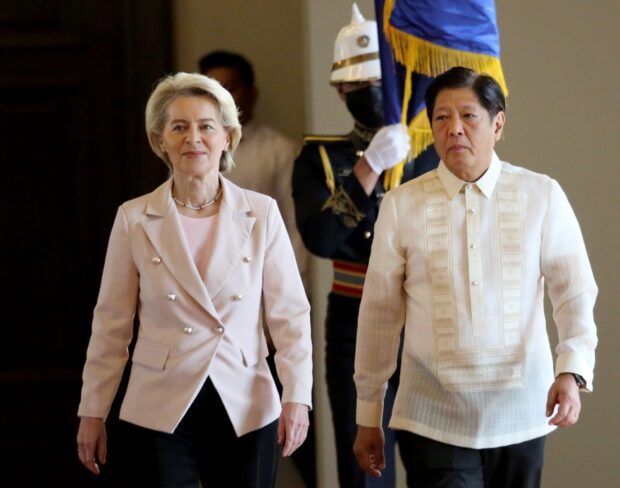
x,y
219,329
156,260
247,259
172,297
475,283
238,297
188,330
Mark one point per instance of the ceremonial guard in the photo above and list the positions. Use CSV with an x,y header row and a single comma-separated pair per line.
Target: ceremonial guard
x,y
338,184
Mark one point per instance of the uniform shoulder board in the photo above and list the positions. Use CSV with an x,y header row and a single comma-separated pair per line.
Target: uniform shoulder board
x,y
322,139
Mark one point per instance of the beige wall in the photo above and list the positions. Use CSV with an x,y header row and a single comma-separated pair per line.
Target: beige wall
x,y
561,63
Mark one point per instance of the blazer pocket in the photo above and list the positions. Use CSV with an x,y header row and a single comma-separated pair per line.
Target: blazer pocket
x,y
151,354
253,353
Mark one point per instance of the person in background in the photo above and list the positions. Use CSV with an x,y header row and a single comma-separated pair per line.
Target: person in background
x,y
338,184
199,262
264,163
460,262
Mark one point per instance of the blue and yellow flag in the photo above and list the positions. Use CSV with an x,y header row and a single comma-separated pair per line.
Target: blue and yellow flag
x,y
422,39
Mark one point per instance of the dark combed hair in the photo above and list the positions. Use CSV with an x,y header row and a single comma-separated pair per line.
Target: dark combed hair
x,y
217,59
486,88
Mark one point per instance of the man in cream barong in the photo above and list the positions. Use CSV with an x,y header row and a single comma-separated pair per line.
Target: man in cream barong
x,y
460,261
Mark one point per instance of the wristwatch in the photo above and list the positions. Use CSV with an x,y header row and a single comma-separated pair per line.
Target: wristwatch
x,y
581,382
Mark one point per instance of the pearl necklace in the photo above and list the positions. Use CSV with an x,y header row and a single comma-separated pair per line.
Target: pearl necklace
x,y
200,207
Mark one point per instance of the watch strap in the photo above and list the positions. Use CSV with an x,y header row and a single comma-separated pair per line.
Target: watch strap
x,y
581,382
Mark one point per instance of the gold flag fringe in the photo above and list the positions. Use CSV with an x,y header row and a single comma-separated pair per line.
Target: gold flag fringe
x,y
420,56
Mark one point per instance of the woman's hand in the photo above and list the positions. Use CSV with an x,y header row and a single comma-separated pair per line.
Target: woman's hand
x,y
293,427
91,443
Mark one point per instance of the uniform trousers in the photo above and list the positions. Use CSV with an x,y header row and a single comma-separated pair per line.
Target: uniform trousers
x,y
433,464
340,336
205,447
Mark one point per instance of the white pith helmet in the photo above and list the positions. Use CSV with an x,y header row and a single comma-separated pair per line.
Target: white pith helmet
x,y
356,51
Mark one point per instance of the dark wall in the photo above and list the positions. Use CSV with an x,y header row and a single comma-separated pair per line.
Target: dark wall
x,y
74,79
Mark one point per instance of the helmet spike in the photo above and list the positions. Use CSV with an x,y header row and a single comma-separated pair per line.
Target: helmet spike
x,y
356,17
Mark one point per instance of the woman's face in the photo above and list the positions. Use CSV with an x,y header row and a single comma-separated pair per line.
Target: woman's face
x,y
193,136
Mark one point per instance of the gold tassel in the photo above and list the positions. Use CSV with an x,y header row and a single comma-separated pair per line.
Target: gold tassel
x,y
431,59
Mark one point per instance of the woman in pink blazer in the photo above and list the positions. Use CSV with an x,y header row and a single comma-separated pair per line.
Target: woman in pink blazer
x,y
202,263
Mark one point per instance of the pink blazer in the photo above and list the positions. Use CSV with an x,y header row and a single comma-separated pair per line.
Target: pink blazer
x,y
190,330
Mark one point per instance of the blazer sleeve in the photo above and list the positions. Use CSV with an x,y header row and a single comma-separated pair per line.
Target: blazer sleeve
x,y
283,173
112,327
287,313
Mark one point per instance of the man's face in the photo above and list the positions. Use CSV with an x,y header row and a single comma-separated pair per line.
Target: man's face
x,y
245,96
464,132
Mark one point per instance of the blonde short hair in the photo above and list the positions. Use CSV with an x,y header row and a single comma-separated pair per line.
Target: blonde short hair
x,y
193,85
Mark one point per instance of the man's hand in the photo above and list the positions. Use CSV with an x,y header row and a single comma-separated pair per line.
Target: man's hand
x,y
564,392
387,148
368,449
293,427
91,443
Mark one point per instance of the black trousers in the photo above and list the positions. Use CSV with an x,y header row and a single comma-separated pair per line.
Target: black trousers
x,y
205,447
340,335
433,464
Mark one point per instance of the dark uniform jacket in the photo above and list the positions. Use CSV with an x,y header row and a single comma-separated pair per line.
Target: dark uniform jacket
x,y
335,216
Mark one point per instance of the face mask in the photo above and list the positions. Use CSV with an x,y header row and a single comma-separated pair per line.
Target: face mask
x,y
366,106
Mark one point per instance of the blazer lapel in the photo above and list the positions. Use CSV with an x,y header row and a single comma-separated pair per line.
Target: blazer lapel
x,y
233,230
164,230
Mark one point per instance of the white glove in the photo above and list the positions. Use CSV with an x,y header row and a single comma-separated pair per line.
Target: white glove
x,y
387,148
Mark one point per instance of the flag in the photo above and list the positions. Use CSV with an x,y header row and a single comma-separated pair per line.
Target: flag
x,y
421,39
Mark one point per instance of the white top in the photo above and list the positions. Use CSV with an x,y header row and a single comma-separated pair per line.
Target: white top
x,y
264,163
463,267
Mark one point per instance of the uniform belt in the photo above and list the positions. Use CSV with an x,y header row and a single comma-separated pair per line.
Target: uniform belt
x,y
348,278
